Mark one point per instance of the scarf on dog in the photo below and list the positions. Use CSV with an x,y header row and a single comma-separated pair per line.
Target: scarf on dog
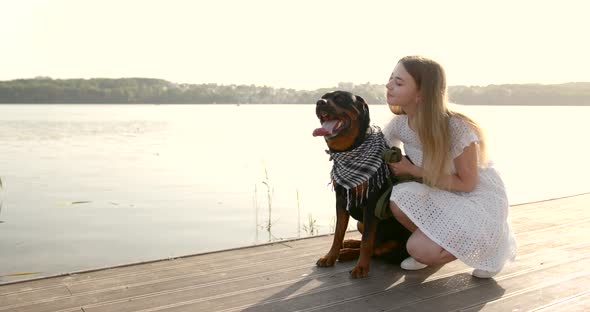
x,y
362,164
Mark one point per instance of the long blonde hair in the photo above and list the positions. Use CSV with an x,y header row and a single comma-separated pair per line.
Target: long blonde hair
x,y
432,118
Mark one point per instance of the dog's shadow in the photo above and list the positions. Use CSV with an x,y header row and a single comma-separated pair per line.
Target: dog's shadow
x,y
387,288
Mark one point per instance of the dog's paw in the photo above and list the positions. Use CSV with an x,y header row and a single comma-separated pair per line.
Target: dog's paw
x,y
360,271
348,254
326,261
385,247
351,243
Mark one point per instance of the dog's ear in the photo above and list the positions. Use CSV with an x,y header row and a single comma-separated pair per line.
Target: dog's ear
x,y
364,108
362,103
360,99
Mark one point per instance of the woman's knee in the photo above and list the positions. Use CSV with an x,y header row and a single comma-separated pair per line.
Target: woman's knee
x,y
424,250
417,249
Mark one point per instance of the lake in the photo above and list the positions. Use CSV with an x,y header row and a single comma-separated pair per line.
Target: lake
x,y
89,186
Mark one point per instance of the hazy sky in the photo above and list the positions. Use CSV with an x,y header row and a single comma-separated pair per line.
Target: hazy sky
x,y
302,44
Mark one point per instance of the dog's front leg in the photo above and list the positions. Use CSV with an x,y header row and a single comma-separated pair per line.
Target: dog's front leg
x,y
368,241
342,218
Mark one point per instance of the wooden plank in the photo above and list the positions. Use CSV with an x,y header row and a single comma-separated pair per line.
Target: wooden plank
x,y
201,274
577,302
443,283
152,272
17,298
444,273
220,258
224,276
181,283
184,280
553,247
538,296
116,277
244,297
239,254
461,292
512,297
314,258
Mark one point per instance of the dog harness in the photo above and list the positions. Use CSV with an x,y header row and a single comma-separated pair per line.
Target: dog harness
x,y
362,164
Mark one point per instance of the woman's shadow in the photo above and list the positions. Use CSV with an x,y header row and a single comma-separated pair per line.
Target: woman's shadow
x,y
387,288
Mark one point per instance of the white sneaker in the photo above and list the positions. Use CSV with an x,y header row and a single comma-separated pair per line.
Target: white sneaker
x,y
411,264
484,274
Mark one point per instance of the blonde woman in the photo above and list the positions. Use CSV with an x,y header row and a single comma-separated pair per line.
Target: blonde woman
x,y
461,209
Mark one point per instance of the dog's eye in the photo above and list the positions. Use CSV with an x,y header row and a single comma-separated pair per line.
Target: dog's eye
x,y
340,99
346,102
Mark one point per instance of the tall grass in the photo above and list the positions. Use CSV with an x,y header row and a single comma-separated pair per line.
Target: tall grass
x,y
311,228
298,214
1,203
257,225
269,195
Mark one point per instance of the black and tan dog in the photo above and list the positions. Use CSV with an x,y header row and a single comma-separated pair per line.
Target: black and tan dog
x,y
360,177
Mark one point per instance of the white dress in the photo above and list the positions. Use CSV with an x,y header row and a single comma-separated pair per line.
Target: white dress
x,y
472,226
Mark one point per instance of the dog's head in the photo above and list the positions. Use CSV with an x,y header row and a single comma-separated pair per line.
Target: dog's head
x,y
344,118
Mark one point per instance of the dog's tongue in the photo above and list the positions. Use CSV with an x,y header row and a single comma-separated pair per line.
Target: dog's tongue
x,y
326,129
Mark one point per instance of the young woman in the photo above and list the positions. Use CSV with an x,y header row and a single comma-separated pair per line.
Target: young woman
x,y
461,209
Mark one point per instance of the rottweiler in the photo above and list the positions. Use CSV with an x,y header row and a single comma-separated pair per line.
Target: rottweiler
x,y
360,178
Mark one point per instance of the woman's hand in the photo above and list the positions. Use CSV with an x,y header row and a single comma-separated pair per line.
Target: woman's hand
x,y
404,167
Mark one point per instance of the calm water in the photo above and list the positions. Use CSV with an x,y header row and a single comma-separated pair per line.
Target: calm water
x,y
89,186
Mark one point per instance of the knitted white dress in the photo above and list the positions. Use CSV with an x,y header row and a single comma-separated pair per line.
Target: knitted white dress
x,y
472,226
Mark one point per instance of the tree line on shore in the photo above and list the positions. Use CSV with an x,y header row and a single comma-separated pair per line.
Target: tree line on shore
x,y
44,90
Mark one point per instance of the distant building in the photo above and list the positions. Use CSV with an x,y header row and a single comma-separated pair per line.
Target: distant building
x,y
345,86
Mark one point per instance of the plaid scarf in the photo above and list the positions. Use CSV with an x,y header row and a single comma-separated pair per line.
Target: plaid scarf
x,y
360,165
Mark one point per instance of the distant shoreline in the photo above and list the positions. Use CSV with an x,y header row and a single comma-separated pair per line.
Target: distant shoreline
x,y
45,90
259,104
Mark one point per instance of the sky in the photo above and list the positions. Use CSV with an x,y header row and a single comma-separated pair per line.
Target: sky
x,y
301,44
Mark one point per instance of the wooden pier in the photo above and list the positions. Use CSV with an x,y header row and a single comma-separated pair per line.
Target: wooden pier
x,y
551,273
